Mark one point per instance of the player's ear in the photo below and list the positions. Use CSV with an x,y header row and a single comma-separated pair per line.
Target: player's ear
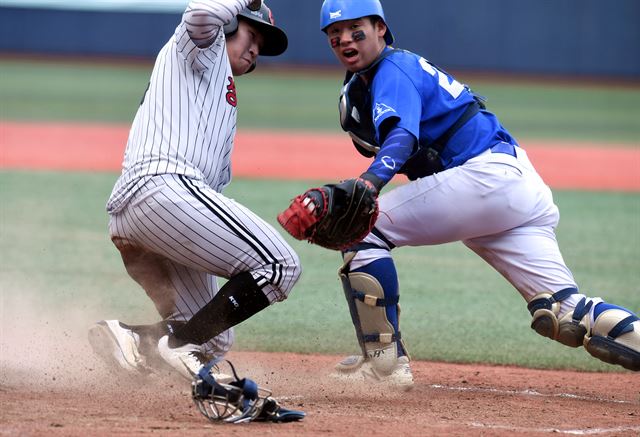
x,y
381,28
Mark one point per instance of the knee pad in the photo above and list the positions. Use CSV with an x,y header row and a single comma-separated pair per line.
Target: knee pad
x,y
568,330
614,338
367,304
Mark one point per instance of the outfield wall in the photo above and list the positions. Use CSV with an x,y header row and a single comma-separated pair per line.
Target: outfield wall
x,y
566,37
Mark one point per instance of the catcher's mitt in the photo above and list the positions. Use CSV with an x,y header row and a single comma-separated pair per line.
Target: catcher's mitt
x,y
335,216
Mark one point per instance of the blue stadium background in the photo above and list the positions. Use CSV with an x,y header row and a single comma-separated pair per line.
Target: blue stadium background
x,y
554,37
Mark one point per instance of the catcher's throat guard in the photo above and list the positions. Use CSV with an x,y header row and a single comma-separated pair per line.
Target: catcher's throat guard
x,y
239,401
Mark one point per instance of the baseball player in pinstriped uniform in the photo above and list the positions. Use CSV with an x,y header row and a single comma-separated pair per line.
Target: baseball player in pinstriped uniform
x,y
175,230
469,182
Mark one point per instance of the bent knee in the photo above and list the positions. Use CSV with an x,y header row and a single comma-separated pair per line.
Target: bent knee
x,y
608,332
279,279
548,321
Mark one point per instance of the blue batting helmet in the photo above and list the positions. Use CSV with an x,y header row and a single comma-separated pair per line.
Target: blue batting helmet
x,y
341,10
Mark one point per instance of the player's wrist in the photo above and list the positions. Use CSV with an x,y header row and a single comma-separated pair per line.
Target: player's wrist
x,y
373,181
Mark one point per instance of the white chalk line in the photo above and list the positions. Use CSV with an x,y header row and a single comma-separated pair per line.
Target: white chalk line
x,y
530,393
620,430
527,392
589,431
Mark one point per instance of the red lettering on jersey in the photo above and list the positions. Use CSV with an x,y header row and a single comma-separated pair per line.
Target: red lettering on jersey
x,y
232,99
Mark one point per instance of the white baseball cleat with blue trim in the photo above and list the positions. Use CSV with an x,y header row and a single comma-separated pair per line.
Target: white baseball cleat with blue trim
x,y
356,368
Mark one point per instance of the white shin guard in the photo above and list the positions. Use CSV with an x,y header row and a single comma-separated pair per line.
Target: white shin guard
x,y
376,334
613,337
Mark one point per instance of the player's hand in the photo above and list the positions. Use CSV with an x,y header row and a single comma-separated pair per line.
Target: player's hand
x,y
255,5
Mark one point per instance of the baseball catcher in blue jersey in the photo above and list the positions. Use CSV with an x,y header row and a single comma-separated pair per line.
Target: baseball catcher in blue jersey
x,y
470,181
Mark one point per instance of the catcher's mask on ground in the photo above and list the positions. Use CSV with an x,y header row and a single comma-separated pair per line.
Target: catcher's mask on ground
x,y
239,401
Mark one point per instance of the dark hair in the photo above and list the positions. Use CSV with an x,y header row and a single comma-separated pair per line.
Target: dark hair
x,y
375,20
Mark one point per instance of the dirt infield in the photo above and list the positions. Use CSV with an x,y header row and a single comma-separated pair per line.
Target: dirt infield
x,y
51,384
448,400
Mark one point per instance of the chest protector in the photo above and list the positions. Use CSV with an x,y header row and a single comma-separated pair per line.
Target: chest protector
x,y
356,119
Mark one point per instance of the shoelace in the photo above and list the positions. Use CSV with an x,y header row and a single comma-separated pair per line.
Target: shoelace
x,y
193,361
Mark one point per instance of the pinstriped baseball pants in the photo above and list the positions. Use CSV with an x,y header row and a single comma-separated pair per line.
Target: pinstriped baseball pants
x,y
176,236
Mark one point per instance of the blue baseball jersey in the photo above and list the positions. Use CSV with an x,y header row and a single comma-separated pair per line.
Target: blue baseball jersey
x,y
426,102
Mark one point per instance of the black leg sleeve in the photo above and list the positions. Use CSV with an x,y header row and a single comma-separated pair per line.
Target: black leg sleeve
x,y
239,299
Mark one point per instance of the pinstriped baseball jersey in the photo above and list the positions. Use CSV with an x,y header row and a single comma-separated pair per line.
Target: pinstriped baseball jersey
x,y
174,228
187,119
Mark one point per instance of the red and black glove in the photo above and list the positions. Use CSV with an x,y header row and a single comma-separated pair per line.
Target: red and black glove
x,y
335,216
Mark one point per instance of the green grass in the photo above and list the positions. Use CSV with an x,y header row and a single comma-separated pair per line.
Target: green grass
x,y
56,251
33,90
551,111
276,99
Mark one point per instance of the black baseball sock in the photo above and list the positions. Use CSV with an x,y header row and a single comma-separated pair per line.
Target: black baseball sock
x,y
239,299
156,330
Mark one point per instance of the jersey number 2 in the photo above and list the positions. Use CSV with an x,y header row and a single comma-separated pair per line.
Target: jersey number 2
x,y
454,87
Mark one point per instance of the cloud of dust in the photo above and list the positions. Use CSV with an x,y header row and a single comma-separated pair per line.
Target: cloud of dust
x,y
45,346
